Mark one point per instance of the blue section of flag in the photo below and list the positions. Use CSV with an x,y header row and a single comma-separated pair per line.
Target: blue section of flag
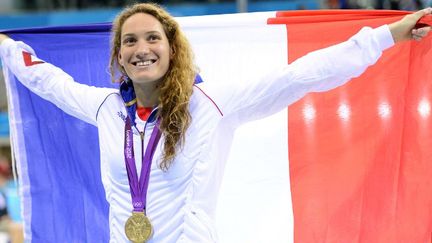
x,y
66,201
66,196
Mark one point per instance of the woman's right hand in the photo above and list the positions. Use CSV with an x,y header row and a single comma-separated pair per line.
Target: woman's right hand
x,y
3,37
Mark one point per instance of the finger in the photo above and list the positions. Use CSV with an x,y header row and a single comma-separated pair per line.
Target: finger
x,y
417,38
425,30
419,14
418,34
421,31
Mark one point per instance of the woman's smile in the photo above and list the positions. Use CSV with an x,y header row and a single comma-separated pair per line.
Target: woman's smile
x,y
144,63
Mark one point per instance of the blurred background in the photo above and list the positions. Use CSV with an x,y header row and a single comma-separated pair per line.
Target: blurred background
x,y
30,13
41,13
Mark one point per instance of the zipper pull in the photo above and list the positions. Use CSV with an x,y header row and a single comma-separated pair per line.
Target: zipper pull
x,y
142,135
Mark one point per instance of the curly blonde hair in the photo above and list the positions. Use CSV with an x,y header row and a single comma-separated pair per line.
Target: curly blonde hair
x,y
177,86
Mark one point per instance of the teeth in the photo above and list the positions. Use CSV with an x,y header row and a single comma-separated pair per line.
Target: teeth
x,y
144,63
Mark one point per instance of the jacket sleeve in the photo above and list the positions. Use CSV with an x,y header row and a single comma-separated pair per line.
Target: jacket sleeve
x,y
51,83
317,71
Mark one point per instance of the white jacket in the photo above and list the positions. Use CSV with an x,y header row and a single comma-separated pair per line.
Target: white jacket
x,y
181,202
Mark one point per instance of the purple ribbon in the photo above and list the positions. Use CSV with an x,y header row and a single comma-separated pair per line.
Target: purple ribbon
x,y
139,187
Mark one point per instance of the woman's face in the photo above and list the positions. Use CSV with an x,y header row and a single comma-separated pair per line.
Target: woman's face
x,y
144,49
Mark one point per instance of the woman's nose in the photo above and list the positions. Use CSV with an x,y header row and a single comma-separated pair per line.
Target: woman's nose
x,y
143,49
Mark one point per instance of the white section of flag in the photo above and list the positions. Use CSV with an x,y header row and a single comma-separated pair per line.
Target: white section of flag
x,y
255,198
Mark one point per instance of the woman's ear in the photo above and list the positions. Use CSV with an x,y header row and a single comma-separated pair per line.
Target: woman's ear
x,y
172,52
120,59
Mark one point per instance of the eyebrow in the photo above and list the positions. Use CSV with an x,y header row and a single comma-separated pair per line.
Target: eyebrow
x,y
147,33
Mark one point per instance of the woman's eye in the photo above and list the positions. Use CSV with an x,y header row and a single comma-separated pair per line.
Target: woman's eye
x,y
128,41
153,37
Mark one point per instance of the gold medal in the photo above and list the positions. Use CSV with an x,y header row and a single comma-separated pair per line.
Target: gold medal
x,y
138,228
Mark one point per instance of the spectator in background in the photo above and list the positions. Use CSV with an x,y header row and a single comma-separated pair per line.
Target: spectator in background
x,y
409,5
333,4
4,218
11,229
5,175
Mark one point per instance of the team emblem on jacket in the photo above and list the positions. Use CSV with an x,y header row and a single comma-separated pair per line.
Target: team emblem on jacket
x,y
30,60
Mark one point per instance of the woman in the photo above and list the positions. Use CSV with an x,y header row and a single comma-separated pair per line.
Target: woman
x,y
186,128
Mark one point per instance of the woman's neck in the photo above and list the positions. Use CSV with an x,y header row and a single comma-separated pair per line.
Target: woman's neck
x,y
147,94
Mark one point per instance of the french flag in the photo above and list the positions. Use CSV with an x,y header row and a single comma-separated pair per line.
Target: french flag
x,y
353,164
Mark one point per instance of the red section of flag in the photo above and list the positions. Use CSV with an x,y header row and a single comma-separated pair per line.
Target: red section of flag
x,y
365,176
28,59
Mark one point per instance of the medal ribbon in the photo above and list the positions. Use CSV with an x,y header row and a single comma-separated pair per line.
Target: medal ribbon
x,y
139,187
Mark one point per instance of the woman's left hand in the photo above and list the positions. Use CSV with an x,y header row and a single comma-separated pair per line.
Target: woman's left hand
x,y
404,29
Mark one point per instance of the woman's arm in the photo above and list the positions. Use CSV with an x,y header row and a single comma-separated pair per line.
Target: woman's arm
x,y
50,82
317,71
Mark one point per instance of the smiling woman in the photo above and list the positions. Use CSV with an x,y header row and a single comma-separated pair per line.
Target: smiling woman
x,y
147,32
162,172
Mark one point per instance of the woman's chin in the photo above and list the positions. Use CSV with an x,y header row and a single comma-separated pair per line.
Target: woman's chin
x,y
145,80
